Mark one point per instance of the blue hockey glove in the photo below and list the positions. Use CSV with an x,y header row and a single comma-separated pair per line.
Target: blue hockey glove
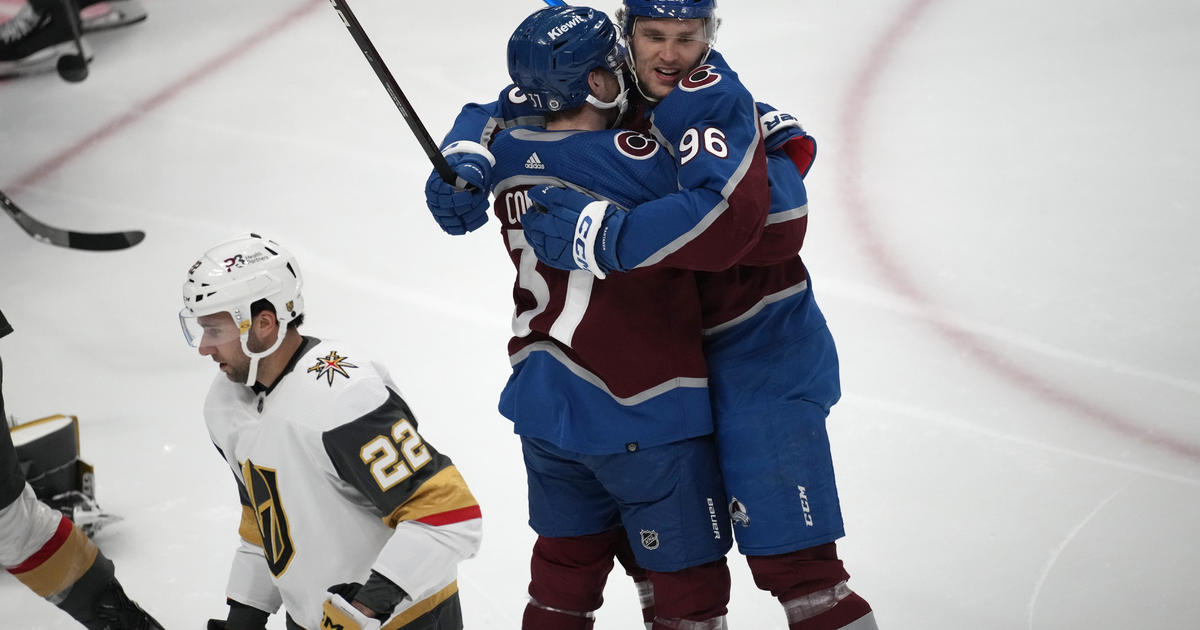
x,y
783,132
570,230
459,210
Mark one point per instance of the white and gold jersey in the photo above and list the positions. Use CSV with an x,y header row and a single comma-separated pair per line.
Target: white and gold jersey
x,y
336,481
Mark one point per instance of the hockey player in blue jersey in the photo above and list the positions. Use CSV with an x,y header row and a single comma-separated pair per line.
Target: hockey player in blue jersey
x,y
711,222
773,364
609,386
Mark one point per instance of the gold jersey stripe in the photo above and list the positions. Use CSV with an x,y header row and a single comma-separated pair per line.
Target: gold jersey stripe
x,y
64,567
443,492
411,613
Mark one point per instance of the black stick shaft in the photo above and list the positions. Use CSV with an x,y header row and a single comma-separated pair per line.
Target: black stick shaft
x,y
393,90
91,241
73,20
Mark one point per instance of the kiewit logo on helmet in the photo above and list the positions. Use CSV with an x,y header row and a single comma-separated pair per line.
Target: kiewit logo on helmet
x,y
561,29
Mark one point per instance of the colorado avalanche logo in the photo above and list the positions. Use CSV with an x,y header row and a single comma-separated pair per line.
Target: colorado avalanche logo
x,y
700,78
634,145
650,539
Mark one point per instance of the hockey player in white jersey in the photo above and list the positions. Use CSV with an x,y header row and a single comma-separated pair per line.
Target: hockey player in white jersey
x,y
52,556
350,519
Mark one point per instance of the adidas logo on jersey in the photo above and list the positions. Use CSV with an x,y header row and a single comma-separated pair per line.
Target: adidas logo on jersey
x,y
535,163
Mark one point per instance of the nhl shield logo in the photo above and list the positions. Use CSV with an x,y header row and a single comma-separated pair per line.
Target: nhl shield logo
x,y
650,539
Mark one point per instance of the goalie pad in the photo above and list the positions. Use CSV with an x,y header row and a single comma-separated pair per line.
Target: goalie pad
x,y
48,456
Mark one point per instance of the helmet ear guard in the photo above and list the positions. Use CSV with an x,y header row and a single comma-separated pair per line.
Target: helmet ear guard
x,y
230,278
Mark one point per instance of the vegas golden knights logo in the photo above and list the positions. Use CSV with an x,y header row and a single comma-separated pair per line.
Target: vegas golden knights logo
x,y
268,511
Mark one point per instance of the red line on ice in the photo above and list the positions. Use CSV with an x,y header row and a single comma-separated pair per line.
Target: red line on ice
x,y
861,92
158,99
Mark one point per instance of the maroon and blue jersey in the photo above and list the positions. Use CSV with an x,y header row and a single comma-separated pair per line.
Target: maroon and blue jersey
x,y
773,368
715,211
599,366
772,274
711,124
481,122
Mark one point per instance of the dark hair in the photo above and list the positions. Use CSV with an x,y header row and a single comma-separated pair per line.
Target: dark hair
x,y
263,304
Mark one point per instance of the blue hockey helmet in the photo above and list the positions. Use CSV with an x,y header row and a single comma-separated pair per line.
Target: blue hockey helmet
x,y
552,51
677,9
669,9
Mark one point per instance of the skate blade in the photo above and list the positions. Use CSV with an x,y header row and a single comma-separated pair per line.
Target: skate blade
x,y
44,60
109,15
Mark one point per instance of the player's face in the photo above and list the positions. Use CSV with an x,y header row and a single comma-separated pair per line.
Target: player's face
x,y
664,50
222,341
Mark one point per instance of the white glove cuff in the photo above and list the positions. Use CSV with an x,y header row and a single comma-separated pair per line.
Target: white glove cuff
x,y
586,230
776,121
364,622
466,146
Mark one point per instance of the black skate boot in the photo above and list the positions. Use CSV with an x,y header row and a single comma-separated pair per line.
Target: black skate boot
x,y
32,41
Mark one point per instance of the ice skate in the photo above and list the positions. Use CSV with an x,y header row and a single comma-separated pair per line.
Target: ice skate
x,y
31,42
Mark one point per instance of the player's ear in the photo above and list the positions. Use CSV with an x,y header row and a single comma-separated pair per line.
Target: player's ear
x,y
596,80
266,324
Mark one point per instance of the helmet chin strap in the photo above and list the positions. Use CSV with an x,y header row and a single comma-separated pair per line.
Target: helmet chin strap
x,y
633,72
621,102
252,373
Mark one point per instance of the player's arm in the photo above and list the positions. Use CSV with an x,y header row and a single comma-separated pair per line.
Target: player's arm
x,y
47,553
459,211
418,492
790,154
715,218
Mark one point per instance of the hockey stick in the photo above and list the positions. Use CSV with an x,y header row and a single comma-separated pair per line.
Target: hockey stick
x,y
393,90
73,68
91,241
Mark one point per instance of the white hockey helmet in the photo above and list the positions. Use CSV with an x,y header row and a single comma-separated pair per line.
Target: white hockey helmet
x,y
231,277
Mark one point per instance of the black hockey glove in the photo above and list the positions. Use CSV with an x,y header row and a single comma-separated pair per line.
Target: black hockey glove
x,y
241,617
98,602
379,594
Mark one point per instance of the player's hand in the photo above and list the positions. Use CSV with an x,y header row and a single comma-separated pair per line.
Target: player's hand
x,y
570,230
339,613
218,624
460,210
241,617
782,132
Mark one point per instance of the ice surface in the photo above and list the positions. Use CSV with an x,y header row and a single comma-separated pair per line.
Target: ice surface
x,y
1003,217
